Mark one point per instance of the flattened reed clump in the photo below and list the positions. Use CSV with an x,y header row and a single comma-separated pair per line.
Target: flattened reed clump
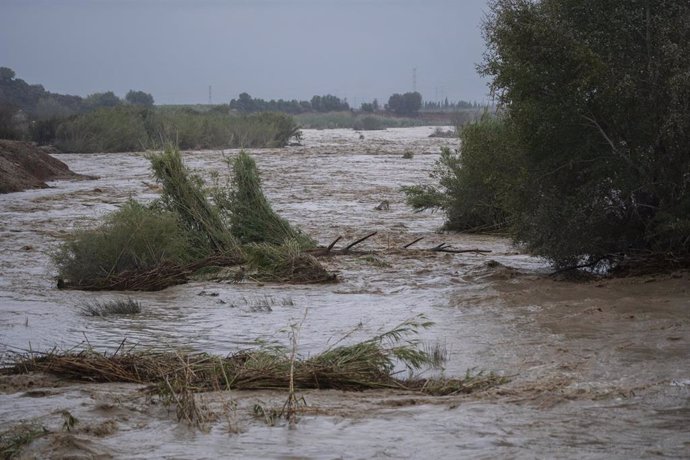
x,y
152,247
370,364
285,263
126,306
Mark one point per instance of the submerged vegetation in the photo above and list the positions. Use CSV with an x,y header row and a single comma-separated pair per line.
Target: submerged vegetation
x,y
370,364
152,247
126,306
14,439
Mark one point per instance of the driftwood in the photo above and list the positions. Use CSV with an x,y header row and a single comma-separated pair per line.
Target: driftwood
x,y
443,247
415,241
352,245
330,246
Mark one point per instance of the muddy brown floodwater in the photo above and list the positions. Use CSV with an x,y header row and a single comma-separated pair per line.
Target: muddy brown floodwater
x,y
598,369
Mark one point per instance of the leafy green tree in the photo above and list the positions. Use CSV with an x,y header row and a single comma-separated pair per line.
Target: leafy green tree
x,y
405,104
598,95
99,100
6,74
329,103
244,103
139,98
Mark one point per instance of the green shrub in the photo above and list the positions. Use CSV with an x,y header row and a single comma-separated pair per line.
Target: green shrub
x,y
118,129
476,185
190,228
131,239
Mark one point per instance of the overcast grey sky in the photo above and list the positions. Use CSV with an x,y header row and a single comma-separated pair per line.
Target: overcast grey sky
x,y
174,49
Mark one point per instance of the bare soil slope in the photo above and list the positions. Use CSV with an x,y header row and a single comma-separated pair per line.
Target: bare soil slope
x,y
24,165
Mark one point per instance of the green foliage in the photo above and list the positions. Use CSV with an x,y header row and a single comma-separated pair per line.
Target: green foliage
x,y
134,238
246,104
183,195
139,98
328,103
367,107
476,185
99,100
252,220
405,104
135,128
150,248
119,129
286,262
8,124
6,74
352,120
598,96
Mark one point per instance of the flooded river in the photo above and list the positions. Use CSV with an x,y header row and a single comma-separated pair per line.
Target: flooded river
x,y
597,370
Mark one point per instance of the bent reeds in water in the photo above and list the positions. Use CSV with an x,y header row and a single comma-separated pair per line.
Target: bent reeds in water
x,y
370,364
152,247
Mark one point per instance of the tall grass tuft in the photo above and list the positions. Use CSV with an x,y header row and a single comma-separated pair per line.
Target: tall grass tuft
x,y
252,220
126,306
183,195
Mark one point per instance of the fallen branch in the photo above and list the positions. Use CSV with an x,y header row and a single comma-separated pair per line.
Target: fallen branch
x,y
351,245
459,251
330,246
415,241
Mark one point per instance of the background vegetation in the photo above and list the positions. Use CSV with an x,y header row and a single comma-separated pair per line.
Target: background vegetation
x,y
135,128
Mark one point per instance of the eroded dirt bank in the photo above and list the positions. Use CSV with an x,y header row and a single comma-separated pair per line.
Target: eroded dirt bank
x,y
598,370
24,166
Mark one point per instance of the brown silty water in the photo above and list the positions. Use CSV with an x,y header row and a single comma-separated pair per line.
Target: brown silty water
x,y
597,369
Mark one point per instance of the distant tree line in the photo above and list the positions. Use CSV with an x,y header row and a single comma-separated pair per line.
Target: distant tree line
x,y
23,105
328,103
450,106
103,122
406,104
